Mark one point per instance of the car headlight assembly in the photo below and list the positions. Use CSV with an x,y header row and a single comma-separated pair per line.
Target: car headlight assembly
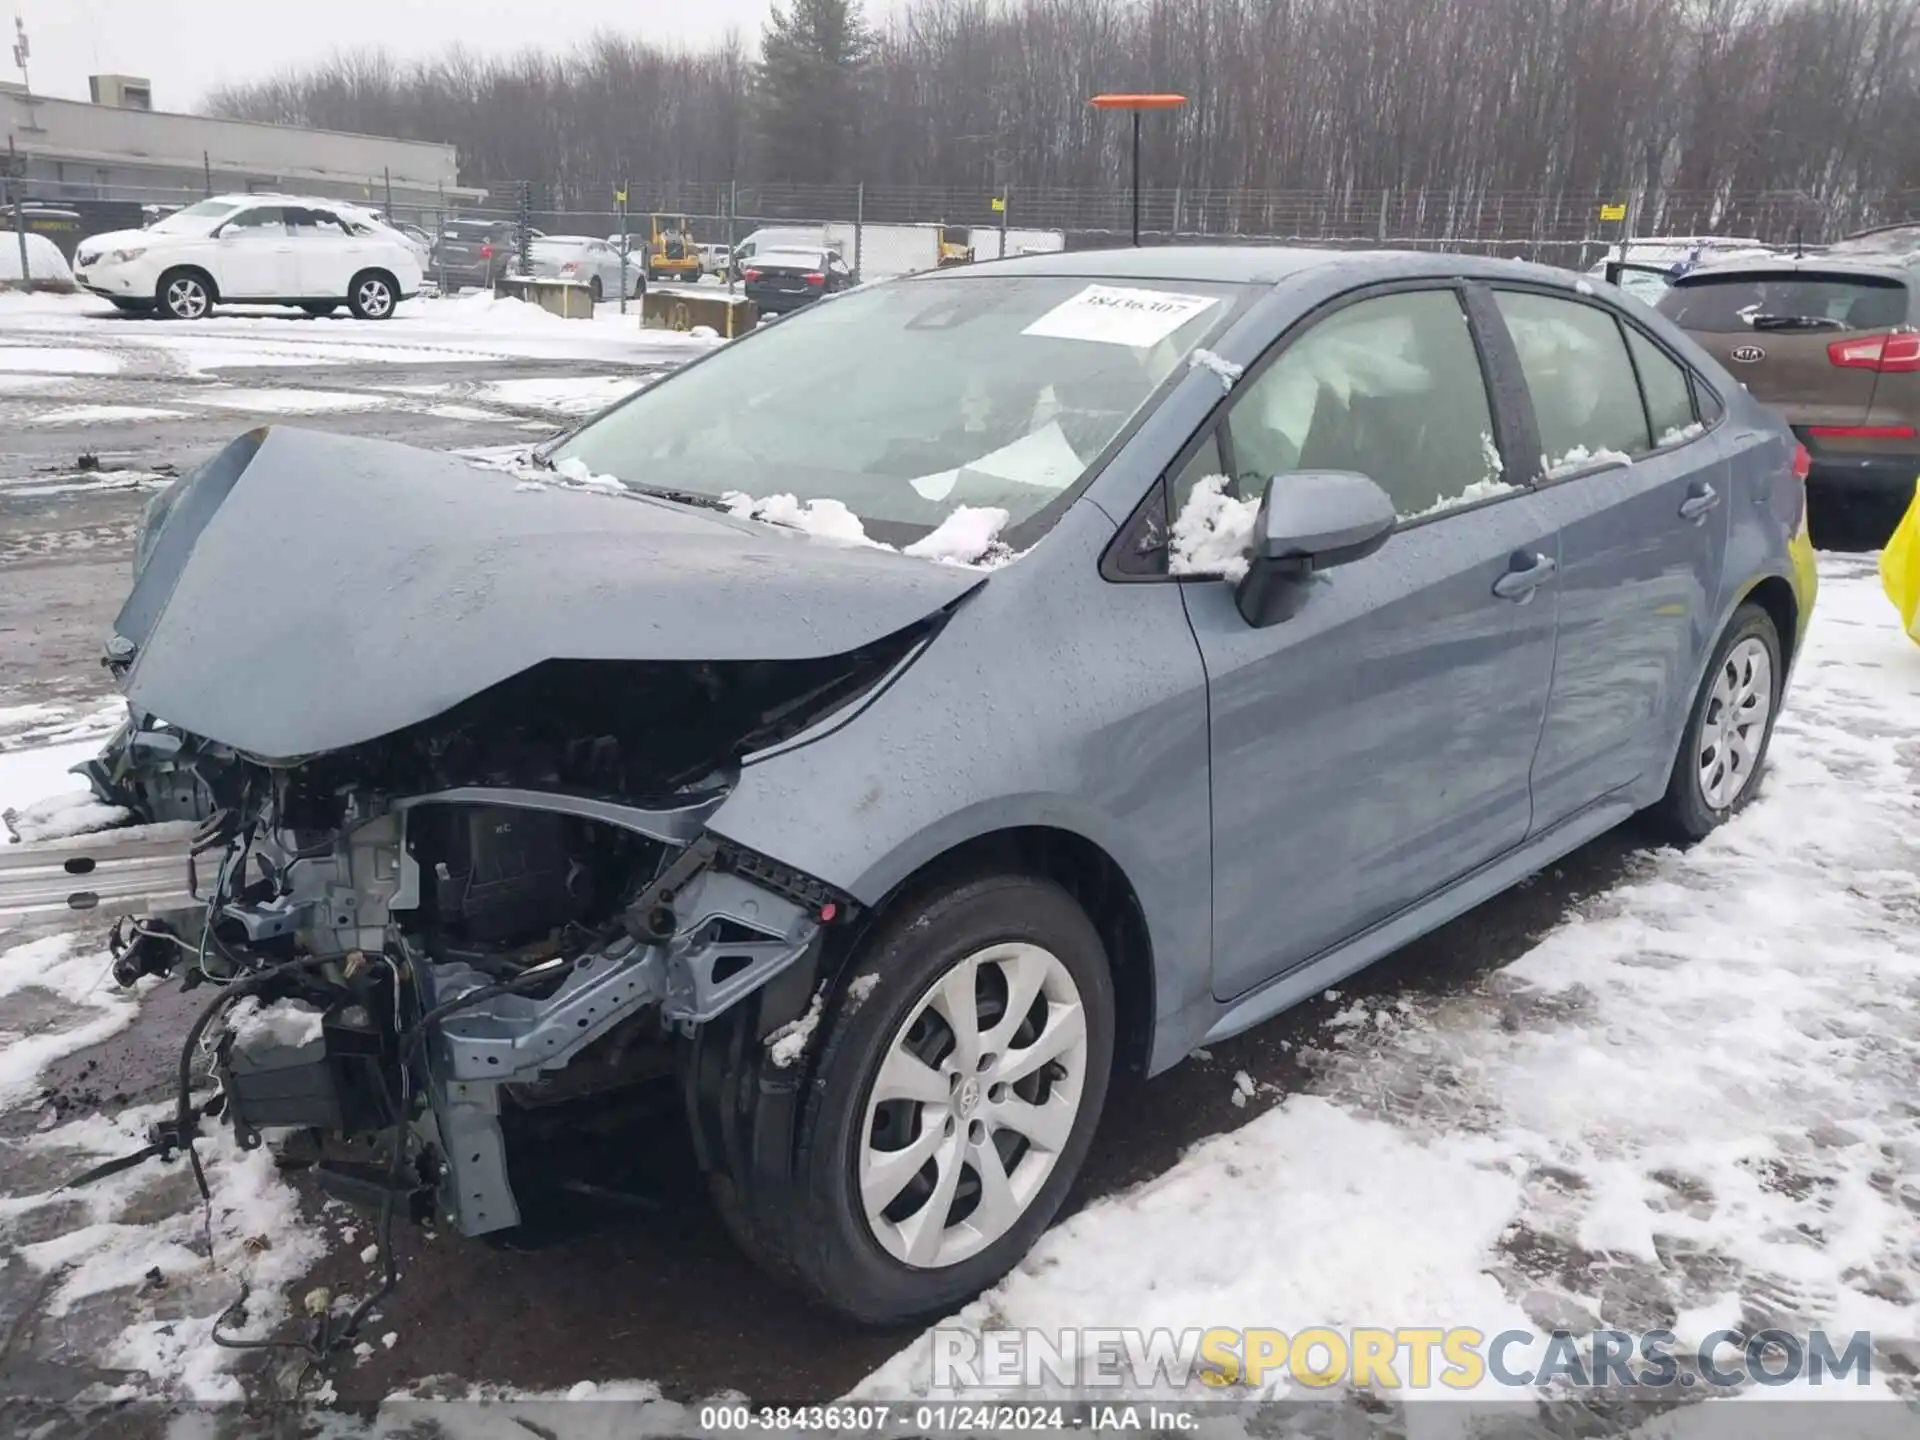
x,y
120,257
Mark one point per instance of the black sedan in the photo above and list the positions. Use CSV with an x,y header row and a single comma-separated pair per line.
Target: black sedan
x,y
781,280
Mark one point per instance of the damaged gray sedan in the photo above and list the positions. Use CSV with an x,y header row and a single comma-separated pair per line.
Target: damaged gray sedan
x,y
974,689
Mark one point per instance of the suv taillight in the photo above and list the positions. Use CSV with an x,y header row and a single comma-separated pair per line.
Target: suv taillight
x,y
486,250
816,279
1895,354
751,275
1802,463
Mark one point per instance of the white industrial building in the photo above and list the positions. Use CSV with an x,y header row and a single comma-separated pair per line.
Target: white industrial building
x,y
117,147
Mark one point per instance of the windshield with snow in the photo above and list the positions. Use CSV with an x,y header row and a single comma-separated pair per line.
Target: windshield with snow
x,y
908,401
195,219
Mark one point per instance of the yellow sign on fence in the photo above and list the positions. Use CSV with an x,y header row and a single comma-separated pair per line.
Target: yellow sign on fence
x,y
1613,212
999,202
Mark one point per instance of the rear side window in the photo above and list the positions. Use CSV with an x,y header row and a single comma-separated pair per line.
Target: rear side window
x,y
1664,383
1730,304
1586,398
315,222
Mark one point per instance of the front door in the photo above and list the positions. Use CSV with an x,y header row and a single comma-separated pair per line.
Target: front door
x,y
255,256
1640,495
1377,744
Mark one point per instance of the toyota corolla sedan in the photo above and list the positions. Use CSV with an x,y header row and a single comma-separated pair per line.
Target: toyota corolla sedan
x,y
899,724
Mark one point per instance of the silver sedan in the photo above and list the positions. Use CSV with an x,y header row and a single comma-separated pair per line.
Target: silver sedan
x,y
593,262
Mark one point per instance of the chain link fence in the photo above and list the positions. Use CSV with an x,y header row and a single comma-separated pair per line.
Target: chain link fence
x,y
884,230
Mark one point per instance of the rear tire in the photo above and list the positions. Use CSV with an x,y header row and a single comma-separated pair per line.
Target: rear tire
x,y
884,1239
1723,750
372,295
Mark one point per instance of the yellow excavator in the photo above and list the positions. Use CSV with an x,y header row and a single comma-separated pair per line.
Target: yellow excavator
x,y
671,253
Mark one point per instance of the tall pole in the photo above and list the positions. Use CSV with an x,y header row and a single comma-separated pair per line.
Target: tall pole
x,y
1136,179
16,192
1136,104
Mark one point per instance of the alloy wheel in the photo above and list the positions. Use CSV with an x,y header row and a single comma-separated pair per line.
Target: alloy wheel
x,y
376,299
974,1100
1734,727
187,297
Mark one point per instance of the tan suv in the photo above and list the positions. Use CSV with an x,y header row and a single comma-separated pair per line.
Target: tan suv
x,y
1829,340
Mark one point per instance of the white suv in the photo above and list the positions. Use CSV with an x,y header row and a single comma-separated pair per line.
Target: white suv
x,y
282,249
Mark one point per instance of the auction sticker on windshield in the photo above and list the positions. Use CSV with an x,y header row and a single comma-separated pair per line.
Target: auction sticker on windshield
x,y
1113,315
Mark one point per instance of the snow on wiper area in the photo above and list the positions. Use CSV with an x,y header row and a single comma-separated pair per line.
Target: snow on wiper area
x,y
1691,1105
969,536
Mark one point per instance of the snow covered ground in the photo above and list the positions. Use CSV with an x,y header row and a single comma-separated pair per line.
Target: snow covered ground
x,y
1691,1105
53,334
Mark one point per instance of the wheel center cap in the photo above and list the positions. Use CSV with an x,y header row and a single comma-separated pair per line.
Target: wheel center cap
x,y
969,1096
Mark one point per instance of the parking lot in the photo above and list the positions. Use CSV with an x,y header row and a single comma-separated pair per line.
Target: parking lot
x,y
1647,1088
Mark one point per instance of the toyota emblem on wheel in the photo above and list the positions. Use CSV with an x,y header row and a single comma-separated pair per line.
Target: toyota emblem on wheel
x,y
1747,354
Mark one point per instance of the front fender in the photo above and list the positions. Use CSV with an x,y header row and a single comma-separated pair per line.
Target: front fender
x,y
1051,698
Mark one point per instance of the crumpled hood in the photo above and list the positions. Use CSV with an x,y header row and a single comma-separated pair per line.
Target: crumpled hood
x,y
306,591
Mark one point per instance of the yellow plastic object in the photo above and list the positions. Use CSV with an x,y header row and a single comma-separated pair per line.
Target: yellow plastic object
x,y
1900,568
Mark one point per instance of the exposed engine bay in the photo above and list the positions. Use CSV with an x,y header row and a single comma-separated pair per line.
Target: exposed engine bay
x,y
452,765
513,904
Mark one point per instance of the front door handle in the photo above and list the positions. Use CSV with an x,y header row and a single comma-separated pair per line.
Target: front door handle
x,y
1701,498
1527,573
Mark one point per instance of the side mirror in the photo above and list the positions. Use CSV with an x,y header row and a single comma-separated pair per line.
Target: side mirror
x,y
1309,520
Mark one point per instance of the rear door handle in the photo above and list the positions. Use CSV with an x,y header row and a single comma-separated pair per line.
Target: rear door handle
x,y
1701,498
1527,573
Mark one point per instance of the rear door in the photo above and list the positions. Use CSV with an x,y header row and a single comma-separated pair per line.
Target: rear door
x,y
326,252
1637,490
1376,745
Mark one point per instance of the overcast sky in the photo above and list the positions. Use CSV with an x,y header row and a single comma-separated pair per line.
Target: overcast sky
x,y
187,47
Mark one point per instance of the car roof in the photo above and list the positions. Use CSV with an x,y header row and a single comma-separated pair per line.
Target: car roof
x,y
1257,265
813,251
568,240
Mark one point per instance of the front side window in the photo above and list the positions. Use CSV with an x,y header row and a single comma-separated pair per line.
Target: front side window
x,y
261,220
1389,387
907,401
196,219
1586,398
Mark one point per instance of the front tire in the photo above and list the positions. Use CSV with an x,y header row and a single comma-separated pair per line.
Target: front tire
x,y
320,308
372,295
183,295
1724,748
952,1102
